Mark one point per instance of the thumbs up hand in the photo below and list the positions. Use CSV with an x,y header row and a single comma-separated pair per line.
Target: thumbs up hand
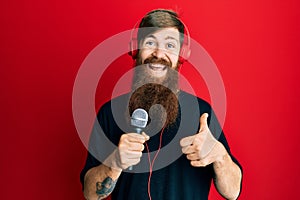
x,y
202,148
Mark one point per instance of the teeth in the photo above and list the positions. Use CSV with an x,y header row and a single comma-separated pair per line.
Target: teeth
x,y
157,66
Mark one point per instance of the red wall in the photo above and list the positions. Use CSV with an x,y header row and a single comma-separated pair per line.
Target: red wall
x,y
255,44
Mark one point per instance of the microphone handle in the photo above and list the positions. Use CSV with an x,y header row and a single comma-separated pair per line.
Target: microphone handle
x,y
139,131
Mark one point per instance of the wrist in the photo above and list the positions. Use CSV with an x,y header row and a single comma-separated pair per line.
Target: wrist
x,y
223,156
113,162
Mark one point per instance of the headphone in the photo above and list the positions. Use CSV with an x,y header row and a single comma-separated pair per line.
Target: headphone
x,y
185,50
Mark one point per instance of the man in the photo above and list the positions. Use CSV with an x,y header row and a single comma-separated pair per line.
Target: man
x,y
177,119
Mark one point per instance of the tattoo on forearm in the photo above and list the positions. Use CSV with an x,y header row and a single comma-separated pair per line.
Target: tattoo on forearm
x,y
105,188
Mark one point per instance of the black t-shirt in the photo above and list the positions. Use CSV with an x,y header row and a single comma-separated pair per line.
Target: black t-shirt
x,y
173,177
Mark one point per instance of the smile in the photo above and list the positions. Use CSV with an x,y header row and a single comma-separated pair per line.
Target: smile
x,y
157,67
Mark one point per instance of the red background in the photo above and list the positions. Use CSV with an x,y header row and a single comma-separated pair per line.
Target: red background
x,y
255,44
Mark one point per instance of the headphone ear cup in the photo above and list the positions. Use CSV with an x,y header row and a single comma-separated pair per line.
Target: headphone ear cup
x,y
133,51
185,53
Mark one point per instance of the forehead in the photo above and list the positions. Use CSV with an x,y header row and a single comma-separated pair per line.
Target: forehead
x,y
165,33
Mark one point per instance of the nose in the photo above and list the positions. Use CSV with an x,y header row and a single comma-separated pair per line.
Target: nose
x,y
159,53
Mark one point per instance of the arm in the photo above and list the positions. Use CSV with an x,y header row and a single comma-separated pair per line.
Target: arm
x,y
227,175
100,181
203,149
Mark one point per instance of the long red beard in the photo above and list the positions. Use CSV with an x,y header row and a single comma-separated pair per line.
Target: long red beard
x,y
159,97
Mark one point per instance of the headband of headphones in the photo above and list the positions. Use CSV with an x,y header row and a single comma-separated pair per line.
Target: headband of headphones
x,y
185,50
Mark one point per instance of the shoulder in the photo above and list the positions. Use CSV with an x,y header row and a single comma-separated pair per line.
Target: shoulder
x,y
113,115
191,100
115,103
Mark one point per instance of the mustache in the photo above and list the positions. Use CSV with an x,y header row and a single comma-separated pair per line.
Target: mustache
x,y
154,60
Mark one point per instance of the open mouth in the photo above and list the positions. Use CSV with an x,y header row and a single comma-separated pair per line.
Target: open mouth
x,y
157,67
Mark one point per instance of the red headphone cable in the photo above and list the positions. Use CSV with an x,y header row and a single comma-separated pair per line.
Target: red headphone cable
x,y
152,163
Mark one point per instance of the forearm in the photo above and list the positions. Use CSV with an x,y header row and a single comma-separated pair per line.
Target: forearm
x,y
100,181
228,177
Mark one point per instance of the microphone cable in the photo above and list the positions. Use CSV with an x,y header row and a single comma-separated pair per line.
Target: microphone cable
x,y
151,163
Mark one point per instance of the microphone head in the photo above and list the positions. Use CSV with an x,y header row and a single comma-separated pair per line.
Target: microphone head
x,y
139,118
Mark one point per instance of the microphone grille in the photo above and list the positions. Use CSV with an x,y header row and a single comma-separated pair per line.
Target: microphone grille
x,y
139,118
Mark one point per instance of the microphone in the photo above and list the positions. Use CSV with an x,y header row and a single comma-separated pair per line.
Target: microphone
x,y
139,119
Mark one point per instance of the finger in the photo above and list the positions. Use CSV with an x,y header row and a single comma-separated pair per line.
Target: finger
x,y
201,163
197,163
188,149
131,155
193,157
134,161
126,156
135,137
127,145
147,137
133,146
203,122
187,141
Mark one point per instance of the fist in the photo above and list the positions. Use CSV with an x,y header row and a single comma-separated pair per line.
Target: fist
x,y
130,148
202,148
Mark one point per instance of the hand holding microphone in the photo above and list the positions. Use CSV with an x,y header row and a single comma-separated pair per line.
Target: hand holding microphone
x,y
131,145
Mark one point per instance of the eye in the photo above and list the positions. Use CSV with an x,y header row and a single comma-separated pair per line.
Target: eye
x,y
150,43
171,45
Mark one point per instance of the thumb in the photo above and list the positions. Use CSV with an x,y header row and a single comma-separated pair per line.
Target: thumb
x,y
203,122
146,136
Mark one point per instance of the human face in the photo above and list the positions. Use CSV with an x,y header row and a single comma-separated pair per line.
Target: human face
x,y
163,46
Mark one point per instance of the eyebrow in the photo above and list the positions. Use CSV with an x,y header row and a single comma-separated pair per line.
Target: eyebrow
x,y
150,36
166,38
171,38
